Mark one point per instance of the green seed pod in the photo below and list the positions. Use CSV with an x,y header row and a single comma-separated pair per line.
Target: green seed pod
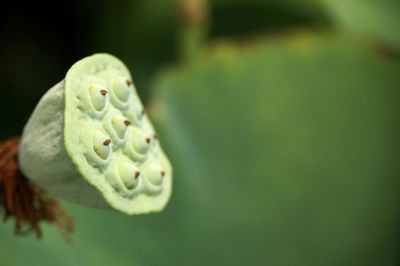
x,y
89,141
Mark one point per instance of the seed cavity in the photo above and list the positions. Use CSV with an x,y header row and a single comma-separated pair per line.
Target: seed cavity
x,y
129,174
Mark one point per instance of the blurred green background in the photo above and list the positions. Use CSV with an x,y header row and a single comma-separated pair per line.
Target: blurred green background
x,y
280,119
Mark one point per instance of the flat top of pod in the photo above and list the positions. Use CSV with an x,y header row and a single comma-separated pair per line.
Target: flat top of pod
x,y
110,138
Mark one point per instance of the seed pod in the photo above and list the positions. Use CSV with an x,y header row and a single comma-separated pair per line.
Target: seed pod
x,y
80,144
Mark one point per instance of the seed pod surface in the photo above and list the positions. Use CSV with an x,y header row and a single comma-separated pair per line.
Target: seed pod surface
x,y
90,142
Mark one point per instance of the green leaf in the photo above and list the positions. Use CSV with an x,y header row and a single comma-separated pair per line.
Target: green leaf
x,y
376,19
285,153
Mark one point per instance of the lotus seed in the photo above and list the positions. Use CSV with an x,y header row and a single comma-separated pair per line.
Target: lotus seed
x,y
140,141
135,111
121,89
155,174
97,97
103,151
119,126
129,174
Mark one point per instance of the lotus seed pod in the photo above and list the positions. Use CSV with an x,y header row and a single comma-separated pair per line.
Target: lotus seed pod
x,y
90,141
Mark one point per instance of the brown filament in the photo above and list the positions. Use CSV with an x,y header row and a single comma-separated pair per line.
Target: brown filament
x,y
24,201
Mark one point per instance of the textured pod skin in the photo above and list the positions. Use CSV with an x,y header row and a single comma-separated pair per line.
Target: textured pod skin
x,y
42,155
80,145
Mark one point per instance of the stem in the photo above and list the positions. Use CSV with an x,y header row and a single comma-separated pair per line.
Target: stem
x,y
193,18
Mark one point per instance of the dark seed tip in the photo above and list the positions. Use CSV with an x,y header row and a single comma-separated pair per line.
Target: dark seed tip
x,y
162,173
127,122
137,174
107,141
128,82
155,136
104,92
148,140
143,111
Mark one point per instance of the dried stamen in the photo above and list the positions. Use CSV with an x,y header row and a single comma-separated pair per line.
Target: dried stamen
x,y
106,142
22,200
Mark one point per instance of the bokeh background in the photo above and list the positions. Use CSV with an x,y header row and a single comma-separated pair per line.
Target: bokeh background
x,y
280,118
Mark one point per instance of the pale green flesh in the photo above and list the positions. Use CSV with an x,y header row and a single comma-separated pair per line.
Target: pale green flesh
x,y
92,117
